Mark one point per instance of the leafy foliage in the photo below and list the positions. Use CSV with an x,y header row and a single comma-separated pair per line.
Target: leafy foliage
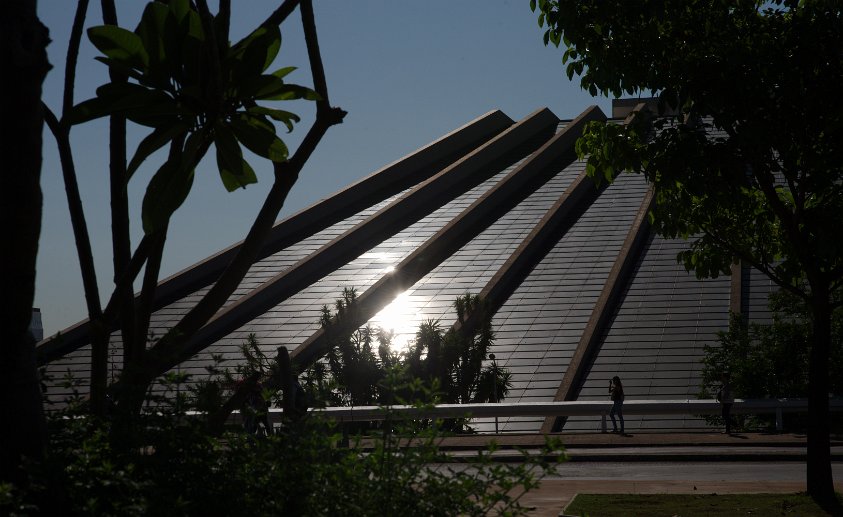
x,y
771,360
457,358
750,162
194,90
745,156
171,465
356,371
452,365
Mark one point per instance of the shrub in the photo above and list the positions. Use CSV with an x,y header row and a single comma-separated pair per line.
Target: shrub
x,y
167,462
771,361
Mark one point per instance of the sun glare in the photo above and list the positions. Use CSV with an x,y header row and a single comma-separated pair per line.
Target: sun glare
x,y
400,318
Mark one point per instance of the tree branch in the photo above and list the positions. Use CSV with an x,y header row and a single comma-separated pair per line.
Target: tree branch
x,y
750,259
73,55
77,215
120,236
109,12
787,219
215,79
99,333
175,346
281,14
147,295
314,56
224,14
127,279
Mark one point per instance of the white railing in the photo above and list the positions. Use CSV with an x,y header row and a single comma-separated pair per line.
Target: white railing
x,y
574,408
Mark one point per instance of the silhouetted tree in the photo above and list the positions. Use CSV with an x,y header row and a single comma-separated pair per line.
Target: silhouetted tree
x,y
771,360
23,60
751,166
451,364
179,74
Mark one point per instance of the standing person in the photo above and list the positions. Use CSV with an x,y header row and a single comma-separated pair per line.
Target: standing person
x,y
255,412
616,393
726,399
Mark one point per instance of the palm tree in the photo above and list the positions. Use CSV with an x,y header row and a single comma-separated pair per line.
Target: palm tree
x,y
453,365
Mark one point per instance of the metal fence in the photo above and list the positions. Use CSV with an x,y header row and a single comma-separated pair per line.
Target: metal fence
x,y
563,409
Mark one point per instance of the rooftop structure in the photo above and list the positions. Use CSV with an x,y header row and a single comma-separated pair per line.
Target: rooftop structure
x,y
582,289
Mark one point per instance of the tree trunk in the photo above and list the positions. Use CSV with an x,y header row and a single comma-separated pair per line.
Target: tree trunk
x,y
819,479
23,58
120,240
99,366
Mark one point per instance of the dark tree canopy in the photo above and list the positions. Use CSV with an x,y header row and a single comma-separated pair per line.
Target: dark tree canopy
x,y
744,154
768,187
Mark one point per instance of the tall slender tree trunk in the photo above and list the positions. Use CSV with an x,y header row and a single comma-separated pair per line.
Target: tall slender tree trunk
x,y
120,240
23,59
820,480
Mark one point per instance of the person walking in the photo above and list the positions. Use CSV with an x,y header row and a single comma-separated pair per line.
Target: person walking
x,y
616,393
726,399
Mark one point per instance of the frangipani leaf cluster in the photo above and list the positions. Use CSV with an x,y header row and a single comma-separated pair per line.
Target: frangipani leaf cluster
x,y
194,90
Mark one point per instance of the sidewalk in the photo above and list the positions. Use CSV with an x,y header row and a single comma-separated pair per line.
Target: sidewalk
x,y
573,441
684,448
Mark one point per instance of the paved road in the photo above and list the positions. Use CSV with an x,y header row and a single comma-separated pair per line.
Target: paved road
x,y
638,454
690,471
672,463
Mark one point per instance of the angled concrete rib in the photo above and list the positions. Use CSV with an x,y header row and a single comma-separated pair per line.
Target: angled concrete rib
x,y
619,276
374,188
408,208
508,192
558,219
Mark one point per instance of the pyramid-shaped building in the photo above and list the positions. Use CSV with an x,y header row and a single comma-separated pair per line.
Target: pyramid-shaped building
x,y
582,289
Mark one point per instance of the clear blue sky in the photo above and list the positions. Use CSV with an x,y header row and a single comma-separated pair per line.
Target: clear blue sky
x,y
406,73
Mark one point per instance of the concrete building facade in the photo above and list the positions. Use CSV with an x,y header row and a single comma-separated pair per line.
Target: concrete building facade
x,y
582,289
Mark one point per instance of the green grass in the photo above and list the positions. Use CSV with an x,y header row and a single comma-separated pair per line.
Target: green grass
x,y
692,505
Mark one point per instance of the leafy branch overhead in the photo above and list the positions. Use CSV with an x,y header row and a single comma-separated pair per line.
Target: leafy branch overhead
x,y
178,74
194,91
748,163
